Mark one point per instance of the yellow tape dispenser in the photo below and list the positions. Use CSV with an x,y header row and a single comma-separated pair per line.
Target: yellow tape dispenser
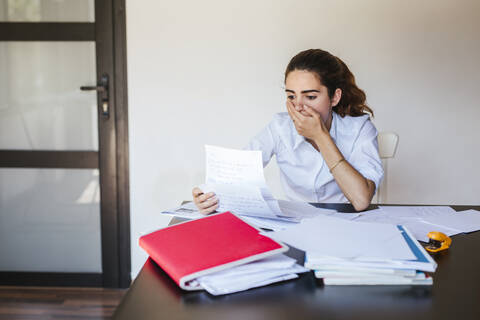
x,y
438,241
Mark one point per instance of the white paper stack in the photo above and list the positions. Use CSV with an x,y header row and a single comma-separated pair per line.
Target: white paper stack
x,y
251,275
352,253
371,278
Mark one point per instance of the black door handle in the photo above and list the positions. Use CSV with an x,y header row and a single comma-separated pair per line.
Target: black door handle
x,y
102,86
90,88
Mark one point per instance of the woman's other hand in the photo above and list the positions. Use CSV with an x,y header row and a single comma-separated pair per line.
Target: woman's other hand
x,y
310,126
206,203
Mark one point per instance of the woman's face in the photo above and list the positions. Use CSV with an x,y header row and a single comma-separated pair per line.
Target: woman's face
x,y
303,88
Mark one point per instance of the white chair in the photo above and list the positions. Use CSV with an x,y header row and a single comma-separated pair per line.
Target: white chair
x,y
387,147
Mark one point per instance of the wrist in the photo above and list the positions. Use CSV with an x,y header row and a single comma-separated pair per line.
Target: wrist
x,y
322,137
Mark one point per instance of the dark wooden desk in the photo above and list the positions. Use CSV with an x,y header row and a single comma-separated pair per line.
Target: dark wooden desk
x,y
454,295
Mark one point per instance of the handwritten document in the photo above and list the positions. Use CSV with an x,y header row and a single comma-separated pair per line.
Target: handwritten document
x,y
241,199
236,177
230,166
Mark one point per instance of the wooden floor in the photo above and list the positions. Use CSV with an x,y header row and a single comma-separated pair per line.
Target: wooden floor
x,y
58,303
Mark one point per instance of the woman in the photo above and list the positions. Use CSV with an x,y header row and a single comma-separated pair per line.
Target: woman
x,y
326,146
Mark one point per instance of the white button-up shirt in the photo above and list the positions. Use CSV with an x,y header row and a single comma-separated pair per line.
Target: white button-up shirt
x,y
303,172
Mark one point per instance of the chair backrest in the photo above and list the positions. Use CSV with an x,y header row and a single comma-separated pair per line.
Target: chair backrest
x,y
387,144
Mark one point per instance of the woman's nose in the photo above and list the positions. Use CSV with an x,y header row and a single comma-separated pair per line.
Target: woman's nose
x,y
298,105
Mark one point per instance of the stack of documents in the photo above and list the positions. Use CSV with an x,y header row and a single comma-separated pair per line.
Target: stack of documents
x,y
349,253
353,276
220,253
251,275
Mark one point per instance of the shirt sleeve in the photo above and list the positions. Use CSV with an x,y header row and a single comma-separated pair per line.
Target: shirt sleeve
x,y
365,157
265,142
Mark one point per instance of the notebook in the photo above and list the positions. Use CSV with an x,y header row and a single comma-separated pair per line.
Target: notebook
x,y
191,249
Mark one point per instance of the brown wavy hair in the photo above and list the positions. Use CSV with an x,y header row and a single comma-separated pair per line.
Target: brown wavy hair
x,y
333,73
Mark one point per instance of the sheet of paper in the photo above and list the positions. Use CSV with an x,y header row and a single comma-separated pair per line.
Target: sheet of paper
x,y
415,211
266,279
470,211
251,275
272,224
379,216
234,280
420,220
382,250
335,237
301,210
366,270
420,229
236,177
370,212
278,261
461,221
240,199
270,200
190,211
187,210
411,217
345,215
230,166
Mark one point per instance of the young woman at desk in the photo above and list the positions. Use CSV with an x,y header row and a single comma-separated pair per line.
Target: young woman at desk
x,y
326,147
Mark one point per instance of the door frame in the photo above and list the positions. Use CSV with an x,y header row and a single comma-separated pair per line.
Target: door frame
x,y
109,33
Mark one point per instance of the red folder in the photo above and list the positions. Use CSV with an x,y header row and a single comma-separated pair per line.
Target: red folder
x,y
195,248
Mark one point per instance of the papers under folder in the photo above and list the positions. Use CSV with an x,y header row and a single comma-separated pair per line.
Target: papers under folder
x,y
217,251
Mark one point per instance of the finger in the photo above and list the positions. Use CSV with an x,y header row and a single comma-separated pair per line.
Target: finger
x,y
205,197
196,192
209,210
197,203
299,116
292,112
209,203
292,109
312,112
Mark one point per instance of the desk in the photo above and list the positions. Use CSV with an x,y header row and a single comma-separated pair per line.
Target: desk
x,y
454,295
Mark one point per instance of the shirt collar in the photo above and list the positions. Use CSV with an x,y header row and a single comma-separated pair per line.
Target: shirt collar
x,y
298,139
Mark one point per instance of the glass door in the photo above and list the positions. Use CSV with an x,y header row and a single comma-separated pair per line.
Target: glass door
x,y
60,222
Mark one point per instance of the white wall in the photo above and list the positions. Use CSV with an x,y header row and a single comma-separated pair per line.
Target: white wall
x,y
212,72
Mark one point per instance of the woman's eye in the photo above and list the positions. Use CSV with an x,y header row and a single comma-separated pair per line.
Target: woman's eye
x,y
290,97
311,97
